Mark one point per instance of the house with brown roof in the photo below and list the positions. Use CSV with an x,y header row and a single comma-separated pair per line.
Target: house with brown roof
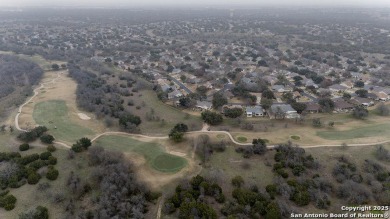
x,y
312,107
342,106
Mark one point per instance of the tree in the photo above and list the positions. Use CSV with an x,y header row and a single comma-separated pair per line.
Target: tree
x,y
33,178
233,112
212,118
180,127
327,104
268,94
77,148
237,181
81,144
202,90
383,110
45,155
51,148
127,119
317,122
52,174
359,84
266,103
262,63
273,211
279,113
39,212
360,112
178,131
362,93
259,146
187,102
299,107
55,67
346,96
216,53
24,147
47,139
219,100
176,136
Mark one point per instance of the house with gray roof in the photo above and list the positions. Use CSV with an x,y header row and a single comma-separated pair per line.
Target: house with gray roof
x,y
174,94
203,105
283,111
252,111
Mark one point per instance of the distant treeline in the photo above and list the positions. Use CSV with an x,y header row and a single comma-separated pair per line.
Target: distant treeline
x,y
17,76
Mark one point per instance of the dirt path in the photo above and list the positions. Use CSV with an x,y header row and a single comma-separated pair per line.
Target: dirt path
x,y
129,134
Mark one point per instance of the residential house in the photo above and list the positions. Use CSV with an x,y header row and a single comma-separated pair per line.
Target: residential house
x,y
342,106
362,101
283,111
312,107
337,88
166,88
278,88
252,111
203,105
174,94
381,96
347,84
296,95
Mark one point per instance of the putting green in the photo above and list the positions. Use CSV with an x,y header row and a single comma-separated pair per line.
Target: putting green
x,y
154,153
54,115
242,139
295,137
168,163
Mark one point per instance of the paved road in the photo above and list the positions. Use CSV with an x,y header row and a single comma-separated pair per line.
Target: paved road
x,y
182,86
304,93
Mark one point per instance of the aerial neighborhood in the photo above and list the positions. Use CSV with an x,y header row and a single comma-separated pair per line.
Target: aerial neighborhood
x,y
202,110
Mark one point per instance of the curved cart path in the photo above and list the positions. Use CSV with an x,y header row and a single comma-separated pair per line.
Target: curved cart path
x,y
203,130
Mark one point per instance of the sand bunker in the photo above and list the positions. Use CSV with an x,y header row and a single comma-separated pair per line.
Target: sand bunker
x,y
83,116
180,154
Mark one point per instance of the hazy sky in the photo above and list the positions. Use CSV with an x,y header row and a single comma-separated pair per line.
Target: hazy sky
x,y
132,3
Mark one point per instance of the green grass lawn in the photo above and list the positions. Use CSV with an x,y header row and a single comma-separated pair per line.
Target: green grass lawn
x,y
295,137
242,139
169,114
54,113
367,131
154,154
168,163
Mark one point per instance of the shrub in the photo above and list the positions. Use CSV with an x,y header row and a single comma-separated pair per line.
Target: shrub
x,y
24,147
8,202
47,139
84,142
77,148
51,148
212,118
37,164
39,212
28,159
33,178
52,160
237,181
52,173
45,155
